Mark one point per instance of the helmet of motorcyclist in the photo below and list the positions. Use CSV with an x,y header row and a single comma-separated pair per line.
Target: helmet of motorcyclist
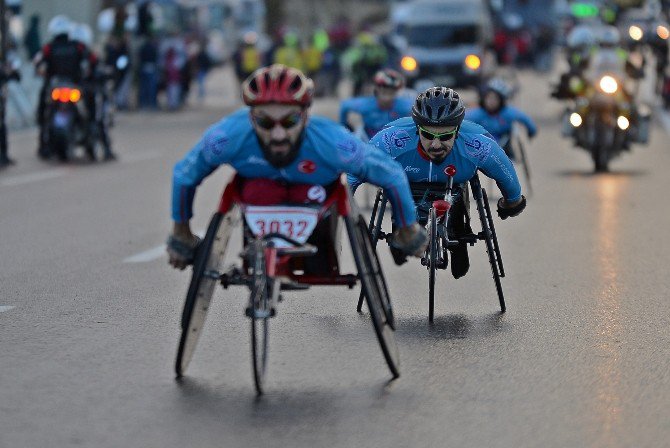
x,y
278,84
498,87
83,33
609,37
438,106
581,36
512,21
389,78
59,25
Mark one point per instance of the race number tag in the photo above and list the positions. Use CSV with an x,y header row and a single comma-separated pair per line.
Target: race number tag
x,y
297,223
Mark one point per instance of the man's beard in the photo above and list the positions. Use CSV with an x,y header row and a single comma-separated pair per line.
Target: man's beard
x,y
280,160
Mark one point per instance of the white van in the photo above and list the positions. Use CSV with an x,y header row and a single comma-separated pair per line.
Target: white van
x,y
444,42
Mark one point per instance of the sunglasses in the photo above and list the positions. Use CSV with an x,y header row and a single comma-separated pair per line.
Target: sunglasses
x,y
287,122
443,137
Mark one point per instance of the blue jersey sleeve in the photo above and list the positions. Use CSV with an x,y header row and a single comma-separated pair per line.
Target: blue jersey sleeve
x,y
350,105
521,117
366,163
496,165
212,150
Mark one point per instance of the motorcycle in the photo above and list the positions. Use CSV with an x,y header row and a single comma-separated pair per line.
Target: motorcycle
x,y
68,124
605,122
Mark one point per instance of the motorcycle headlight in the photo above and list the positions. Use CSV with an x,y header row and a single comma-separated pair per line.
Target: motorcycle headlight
x,y
635,32
622,122
409,64
575,119
608,84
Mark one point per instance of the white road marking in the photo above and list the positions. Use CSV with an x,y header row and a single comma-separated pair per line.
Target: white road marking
x,y
5,308
31,177
148,255
54,173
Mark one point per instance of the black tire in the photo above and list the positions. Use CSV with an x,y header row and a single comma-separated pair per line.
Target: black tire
x,y
524,162
432,262
259,304
208,262
376,291
59,145
599,152
489,238
374,230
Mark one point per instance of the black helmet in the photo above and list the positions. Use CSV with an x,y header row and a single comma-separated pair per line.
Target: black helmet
x,y
438,106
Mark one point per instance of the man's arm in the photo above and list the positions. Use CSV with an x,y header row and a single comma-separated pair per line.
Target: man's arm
x,y
495,164
518,115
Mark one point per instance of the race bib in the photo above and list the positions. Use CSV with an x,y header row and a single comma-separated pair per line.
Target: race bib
x,y
296,223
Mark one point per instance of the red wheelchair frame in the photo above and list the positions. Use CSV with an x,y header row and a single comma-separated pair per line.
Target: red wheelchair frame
x,y
268,269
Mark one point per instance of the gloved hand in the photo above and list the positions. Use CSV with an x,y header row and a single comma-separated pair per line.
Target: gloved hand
x,y
410,240
181,246
506,209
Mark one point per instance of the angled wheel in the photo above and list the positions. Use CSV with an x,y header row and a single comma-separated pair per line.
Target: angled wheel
x,y
491,245
432,262
375,290
259,312
375,228
524,162
206,272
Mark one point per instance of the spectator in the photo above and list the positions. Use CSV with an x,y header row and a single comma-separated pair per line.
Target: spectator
x,y
32,38
148,74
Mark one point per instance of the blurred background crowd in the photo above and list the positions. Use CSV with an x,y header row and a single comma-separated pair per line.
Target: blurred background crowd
x,y
161,51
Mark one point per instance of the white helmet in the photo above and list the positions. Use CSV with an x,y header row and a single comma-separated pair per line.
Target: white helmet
x,y
83,33
609,36
58,25
581,36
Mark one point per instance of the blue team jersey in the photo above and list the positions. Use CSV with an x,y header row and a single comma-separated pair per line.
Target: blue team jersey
x,y
500,124
473,150
374,118
326,151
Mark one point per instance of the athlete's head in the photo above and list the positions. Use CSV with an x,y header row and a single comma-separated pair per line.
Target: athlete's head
x,y
438,113
494,95
279,97
387,83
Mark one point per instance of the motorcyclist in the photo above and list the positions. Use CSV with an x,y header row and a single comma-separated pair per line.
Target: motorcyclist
x,y
62,58
580,45
437,136
284,156
496,116
382,108
93,86
613,59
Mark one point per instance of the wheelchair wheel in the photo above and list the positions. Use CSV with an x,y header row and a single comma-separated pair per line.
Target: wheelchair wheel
x,y
375,290
260,312
491,245
524,162
375,228
432,262
206,272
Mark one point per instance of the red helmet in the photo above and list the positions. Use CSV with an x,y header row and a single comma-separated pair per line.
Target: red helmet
x,y
277,84
389,78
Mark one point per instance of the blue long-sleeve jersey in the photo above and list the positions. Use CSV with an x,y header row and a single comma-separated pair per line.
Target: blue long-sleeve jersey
x,y
473,150
374,118
326,151
500,124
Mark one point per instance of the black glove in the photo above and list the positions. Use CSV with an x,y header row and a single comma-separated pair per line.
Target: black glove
x,y
182,253
506,212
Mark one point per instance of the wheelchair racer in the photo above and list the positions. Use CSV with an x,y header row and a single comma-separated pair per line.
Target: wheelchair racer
x,y
284,156
382,108
437,136
496,116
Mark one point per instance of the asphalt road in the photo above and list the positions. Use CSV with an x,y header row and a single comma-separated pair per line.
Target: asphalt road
x,y
89,315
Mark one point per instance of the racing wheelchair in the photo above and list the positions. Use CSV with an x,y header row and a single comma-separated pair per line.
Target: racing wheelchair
x,y
514,147
434,203
286,247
